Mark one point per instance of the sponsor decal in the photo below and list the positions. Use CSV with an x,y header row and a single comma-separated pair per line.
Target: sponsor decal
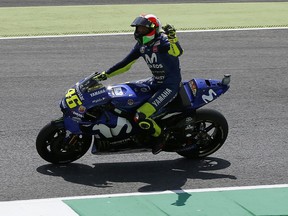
x,y
155,66
72,99
159,78
98,92
193,87
76,119
152,59
79,93
162,97
142,49
81,109
77,114
155,49
208,98
110,132
120,141
98,100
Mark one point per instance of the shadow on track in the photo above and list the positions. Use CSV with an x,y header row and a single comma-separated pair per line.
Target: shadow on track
x,y
158,175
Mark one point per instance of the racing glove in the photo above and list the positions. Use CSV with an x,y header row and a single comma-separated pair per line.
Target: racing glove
x,y
170,31
100,76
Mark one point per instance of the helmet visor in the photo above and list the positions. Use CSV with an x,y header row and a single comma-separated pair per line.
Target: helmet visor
x,y
141,21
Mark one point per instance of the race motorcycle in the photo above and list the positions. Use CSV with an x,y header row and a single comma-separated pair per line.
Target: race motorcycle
x,y
101,116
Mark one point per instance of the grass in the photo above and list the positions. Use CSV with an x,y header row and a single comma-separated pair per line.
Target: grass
x,y
61,20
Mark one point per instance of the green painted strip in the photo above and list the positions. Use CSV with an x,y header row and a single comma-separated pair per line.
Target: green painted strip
x,y
272,201
35,21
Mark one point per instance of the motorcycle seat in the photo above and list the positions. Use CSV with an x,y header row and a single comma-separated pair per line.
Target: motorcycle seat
x,y
181,101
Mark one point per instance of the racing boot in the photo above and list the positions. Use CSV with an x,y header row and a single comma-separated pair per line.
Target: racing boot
x,y
150,126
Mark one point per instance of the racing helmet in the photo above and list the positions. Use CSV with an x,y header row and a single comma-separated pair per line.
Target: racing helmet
x,y
152,28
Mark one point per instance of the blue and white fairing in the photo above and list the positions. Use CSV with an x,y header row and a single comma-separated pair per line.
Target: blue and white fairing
x,y
88,94
203,91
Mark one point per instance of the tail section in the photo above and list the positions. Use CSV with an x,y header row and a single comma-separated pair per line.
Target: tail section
x,y
202,91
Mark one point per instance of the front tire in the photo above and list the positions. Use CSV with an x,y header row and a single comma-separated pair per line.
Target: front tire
x,y
211,131
54,147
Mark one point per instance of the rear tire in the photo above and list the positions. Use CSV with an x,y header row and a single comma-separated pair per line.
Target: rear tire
x,y
211,133
54,147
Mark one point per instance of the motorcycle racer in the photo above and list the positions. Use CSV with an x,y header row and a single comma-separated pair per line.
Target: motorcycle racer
x,y
161,53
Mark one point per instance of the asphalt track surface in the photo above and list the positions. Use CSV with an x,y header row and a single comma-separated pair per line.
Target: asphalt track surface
x,y
25,3
35,73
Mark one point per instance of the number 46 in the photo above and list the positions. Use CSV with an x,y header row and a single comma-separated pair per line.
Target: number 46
x,y
72,99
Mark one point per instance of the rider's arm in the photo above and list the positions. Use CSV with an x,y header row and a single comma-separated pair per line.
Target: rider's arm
x,y
175,47
125,64
170,63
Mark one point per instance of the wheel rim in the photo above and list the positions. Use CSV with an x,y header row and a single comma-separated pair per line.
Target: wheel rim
x,y
60,146
208,137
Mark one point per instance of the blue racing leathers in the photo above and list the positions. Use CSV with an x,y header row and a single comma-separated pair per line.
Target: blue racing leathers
x,y
161,57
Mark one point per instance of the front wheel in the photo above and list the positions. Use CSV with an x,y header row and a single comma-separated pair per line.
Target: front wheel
x,y
55,147
210,130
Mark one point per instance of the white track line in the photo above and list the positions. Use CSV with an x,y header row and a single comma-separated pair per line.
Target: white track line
x,y
159,192
42,207
113,34
183,191
56,206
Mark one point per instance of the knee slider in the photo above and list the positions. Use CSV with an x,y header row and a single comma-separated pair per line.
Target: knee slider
x,y
147,125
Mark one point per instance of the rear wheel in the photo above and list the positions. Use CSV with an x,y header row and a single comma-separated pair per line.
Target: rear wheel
x,y
208,134
54,147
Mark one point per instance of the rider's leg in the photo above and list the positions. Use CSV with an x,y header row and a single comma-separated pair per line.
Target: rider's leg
x,y
160,99
144,121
